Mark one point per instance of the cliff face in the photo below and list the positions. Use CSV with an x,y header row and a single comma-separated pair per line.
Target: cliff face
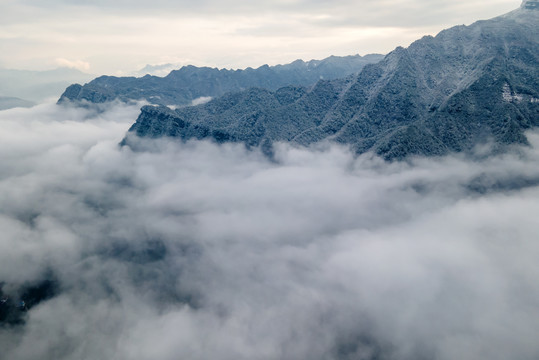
x,y
189,83
446,93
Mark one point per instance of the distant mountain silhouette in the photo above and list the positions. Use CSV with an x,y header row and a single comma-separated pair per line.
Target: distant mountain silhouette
x,y
183,86
37,86
13,102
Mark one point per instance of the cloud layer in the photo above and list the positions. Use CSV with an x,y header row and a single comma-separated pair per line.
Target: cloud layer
x,y
201,251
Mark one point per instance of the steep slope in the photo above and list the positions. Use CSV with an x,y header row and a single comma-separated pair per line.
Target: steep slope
x,y
448,93
466,86
189,83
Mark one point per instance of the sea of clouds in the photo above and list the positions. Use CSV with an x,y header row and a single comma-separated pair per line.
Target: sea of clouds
x,y
203,251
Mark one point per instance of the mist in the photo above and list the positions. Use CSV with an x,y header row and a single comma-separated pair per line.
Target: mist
x,y
203,251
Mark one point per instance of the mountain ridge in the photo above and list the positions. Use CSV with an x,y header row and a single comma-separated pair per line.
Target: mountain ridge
x,y
466,86
183,86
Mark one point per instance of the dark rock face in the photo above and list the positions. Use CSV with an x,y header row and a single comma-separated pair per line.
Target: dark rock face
x,y
15,304
189,83
467,85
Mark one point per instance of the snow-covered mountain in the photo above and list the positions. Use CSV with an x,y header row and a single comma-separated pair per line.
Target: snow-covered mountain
x,y
466,86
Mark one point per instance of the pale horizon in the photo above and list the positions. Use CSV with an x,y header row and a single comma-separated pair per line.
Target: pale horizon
x,y
121,38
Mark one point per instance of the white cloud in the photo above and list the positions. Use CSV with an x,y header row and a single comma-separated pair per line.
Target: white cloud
x,y
201,100
202,251
74,64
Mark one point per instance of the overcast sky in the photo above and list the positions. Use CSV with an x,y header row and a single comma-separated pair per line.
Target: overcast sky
x,y
118,37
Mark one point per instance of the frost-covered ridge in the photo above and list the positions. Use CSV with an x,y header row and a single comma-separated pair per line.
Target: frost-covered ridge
x,y
468,85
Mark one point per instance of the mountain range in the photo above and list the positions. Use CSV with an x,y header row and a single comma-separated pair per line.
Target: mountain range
x,y
469,85
190,83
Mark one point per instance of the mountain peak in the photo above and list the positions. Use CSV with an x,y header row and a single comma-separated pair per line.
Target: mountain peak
x,y
530,4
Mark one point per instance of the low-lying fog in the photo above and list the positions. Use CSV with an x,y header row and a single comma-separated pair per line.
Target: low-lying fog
x,y
198,251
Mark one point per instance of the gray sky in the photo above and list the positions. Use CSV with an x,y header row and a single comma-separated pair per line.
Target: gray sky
x,y
118,37
122,36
